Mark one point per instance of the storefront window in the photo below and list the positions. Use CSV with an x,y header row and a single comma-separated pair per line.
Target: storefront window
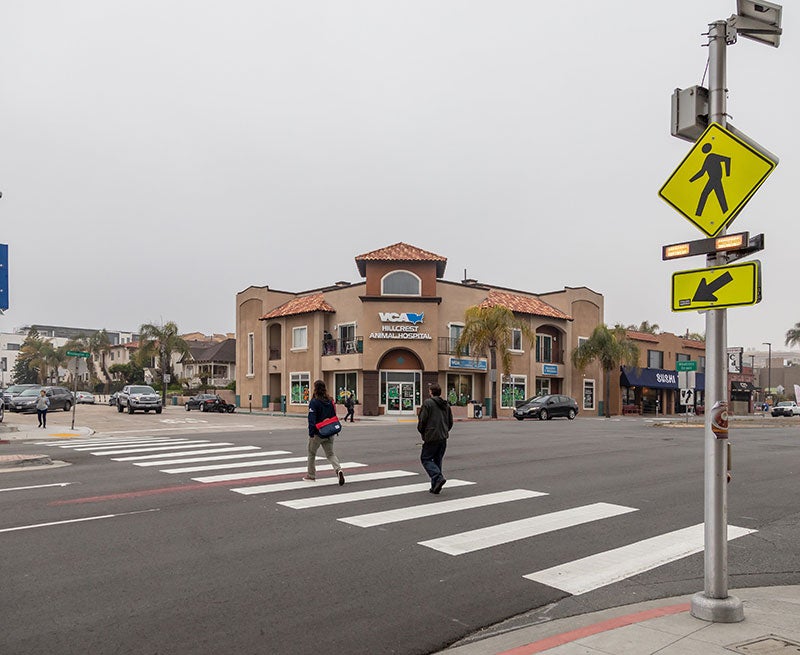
x,y
459,389
588,394
542,386
344,382
300,388
513,390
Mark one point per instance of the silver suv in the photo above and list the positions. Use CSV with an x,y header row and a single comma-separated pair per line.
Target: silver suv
x,y
138,397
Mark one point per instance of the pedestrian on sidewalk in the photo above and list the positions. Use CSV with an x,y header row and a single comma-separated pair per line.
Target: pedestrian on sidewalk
x,y
349,405
42,403
321,407
434,424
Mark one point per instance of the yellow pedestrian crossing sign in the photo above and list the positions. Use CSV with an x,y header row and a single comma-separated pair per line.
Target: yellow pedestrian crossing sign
x,y
717,287
716,179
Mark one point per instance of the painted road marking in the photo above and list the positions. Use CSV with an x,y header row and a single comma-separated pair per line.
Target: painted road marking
x,y
434,508
269,473
494,535
320,482
112,445
86,518
38,486
353,496
595,571
150,449
238,465
163,456
210,458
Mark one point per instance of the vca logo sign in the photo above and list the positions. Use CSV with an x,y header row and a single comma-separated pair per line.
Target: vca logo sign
x,y
394,317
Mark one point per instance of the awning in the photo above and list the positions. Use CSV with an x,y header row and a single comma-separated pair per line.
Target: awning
x,y
655,378
737,385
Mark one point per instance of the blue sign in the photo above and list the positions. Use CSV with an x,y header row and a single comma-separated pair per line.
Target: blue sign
x,y
473,364
550,369
3,276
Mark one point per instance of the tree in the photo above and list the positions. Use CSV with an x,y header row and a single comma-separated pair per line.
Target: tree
x,y
131,373
489,328
35,353
611,348
162,341
99,345
649,328
793,336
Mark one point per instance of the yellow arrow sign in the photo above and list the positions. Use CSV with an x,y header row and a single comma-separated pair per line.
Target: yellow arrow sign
x,y
717,287
716,179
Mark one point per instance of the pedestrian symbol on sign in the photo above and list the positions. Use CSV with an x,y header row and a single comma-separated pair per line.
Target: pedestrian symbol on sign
x,y
712,166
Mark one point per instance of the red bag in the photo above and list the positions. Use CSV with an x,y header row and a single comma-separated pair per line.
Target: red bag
x,y
329,427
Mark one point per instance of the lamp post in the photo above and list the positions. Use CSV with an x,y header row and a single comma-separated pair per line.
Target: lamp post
x,y
769,368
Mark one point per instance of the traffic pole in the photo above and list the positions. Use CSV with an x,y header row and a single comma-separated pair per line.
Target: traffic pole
x,y
714,603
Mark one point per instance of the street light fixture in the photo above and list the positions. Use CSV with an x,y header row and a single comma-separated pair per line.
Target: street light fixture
x,y
769,368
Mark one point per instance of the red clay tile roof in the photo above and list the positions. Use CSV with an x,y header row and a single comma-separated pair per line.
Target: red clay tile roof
x,y
401,252
523,305
693,343
641,336
301,305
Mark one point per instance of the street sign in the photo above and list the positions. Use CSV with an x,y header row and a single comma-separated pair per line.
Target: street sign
x,y
687,379
686,366
77,353
716,179
717,287
687,396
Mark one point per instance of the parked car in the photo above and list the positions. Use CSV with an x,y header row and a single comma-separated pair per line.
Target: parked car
x,y
138,397
546,407
199,401
786,408
60,398
84,397
15,390
112,399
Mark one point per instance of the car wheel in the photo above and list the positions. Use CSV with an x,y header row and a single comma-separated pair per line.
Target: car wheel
x,y
119,408
202,408
231,409
2,412
158,411
520,418
543,415
130,408
571,414
187,407
67,406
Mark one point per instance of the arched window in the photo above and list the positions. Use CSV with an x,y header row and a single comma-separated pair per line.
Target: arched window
x,y
400,283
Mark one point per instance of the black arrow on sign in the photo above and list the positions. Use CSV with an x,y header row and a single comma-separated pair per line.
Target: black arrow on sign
x,y
705,291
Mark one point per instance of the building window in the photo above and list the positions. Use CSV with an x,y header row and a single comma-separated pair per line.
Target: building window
x,y
251,346
299,338
682,357
513,390
455,334
300,388
401,283
516,339
582,340
588,394
542,386
701,364
344,382
544,348
459,389
347,338
13,346
655,359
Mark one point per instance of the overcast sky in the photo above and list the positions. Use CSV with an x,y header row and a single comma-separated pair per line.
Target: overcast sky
x,y
156,158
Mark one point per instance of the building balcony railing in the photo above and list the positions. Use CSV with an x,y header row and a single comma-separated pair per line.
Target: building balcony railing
x,y
447,346
274,353
556,357
343,346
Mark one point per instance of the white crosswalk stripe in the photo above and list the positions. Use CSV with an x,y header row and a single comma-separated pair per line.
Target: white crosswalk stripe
x,y
368,494
150,449
268,473
275,487
595,571
253,451
434,508
237,465
494,535
148,442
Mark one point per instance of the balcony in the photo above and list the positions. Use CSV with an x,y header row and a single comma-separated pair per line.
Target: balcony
x,y
343,346
274,353
447,346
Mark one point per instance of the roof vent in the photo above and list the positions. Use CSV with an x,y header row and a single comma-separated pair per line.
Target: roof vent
x,y
342,283
470,282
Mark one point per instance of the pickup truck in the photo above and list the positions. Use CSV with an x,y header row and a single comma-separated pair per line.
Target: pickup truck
x,y
138,397
786,408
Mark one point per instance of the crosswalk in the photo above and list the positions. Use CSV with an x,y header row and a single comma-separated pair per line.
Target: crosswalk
x,y
260,471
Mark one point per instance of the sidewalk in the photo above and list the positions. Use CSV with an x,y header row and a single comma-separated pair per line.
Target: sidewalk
x,y
771,625
10,434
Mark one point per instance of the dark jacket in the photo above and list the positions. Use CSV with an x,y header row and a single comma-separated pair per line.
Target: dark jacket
x,y
435,419
319,410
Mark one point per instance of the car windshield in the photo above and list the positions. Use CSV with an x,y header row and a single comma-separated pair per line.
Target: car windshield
x,y
30,392
785,404
16,388
142,390
537,399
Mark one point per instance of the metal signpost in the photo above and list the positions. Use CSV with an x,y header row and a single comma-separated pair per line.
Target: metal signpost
x,y
710,187
77,354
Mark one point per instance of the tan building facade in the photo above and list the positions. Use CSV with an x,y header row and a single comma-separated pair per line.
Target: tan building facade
x,y
389,336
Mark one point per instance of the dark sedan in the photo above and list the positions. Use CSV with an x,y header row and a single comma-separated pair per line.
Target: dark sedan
x,y
200,401
546,407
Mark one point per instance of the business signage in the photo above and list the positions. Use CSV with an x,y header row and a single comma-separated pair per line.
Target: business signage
x,y
398,326
549,369
468,363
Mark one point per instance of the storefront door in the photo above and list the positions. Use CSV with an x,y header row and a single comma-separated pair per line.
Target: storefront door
x,y
400,397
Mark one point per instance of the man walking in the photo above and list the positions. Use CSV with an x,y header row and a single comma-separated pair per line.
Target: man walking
x,y
434,424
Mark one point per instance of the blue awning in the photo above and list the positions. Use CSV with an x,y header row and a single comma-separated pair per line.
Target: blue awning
x,y
655,378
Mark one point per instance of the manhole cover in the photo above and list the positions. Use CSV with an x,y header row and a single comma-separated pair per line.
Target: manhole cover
x,y
768,645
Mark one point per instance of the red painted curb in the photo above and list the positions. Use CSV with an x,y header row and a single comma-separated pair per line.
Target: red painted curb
x,y
604,626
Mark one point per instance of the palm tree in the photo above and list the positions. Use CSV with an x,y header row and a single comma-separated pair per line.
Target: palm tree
x,y
793,336
162,341
36,351
489,328
610,348
648,328
99,345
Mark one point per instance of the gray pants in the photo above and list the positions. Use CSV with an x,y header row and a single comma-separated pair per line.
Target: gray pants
x,y
327,445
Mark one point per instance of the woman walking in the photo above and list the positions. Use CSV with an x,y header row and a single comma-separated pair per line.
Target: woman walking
x,y
42,403
320,408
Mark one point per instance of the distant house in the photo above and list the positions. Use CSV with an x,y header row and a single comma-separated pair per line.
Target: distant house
x,y
216,359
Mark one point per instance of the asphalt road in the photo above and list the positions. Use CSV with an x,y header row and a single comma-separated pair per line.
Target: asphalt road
x,y
131,559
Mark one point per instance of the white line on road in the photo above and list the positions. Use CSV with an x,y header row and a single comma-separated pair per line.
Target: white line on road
x,y
269,473
319,482
163,456
158,441
38,486
183,428
239,465
494,535
434,508
87,518
385,492
191,460
595,571
71,443
150,449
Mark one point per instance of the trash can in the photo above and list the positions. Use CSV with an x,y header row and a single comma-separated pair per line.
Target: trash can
x,y
174,400
471,409
487,403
